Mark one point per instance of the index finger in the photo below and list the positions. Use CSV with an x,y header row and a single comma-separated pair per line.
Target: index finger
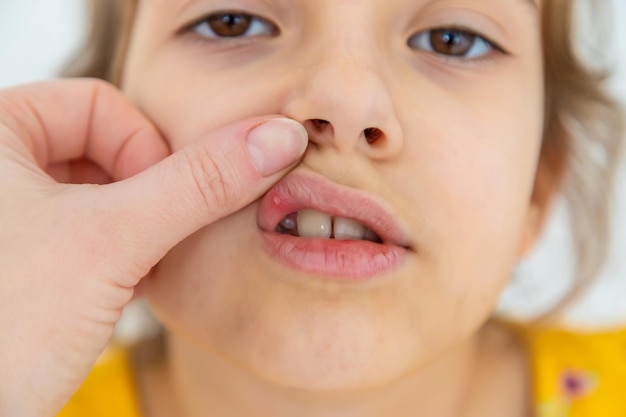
x,y
73,119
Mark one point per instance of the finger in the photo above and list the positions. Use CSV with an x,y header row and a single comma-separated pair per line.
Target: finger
x,y
82,118
147,215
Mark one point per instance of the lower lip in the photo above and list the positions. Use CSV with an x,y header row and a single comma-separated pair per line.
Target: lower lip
x,y
348,260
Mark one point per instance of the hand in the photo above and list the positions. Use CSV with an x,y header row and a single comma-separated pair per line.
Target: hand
x,y
73,251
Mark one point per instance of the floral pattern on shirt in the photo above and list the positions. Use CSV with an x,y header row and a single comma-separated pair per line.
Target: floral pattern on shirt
x,y
572,385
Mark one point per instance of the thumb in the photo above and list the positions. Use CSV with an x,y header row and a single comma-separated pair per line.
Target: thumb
x,y
202,183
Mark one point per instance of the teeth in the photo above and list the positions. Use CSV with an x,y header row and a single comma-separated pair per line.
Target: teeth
x,y
372,237
313,224
289,225
347,229
289,222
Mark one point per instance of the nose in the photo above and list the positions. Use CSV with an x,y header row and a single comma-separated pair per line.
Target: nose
x,y
346,105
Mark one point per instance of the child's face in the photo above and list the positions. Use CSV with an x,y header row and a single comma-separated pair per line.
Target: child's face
x,y
452,158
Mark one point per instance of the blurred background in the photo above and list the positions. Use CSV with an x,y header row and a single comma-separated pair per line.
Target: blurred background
x,y
38,36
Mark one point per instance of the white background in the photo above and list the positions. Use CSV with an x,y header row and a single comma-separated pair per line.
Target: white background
x,y
37,36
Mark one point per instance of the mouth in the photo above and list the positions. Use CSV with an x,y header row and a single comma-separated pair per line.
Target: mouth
x,y
316,226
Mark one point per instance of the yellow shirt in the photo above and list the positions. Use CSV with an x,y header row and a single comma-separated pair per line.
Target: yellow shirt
x,y
108,391
574,375
578,375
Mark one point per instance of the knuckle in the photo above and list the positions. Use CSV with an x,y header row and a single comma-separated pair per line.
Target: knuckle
x,y
97,84
102,91
214,178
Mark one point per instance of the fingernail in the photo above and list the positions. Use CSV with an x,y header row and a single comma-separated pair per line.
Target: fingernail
x,y
276,144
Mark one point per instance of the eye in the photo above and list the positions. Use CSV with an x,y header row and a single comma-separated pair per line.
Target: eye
x,y
234,25
451,42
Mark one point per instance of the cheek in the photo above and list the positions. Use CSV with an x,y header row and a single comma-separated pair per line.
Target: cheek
x,y
471,184
200,287
186,103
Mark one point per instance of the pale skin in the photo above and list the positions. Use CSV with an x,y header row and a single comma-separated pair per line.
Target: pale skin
x,y
456,164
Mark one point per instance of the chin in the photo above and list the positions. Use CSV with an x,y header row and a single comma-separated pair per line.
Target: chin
x,y
319,343
325,361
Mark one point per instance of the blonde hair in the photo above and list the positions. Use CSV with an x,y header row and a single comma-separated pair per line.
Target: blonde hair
x,y
583,129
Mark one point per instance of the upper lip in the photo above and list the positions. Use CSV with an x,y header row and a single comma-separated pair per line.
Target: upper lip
x,y
299,191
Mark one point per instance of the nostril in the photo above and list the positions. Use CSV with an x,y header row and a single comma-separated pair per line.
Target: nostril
x,y
320,124
372,135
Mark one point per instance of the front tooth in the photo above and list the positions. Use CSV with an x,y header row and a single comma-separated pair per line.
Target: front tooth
x,y
314,224
347,229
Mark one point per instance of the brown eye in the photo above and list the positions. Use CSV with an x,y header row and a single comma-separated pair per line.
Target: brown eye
x,y
230,25
234,25
451,42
